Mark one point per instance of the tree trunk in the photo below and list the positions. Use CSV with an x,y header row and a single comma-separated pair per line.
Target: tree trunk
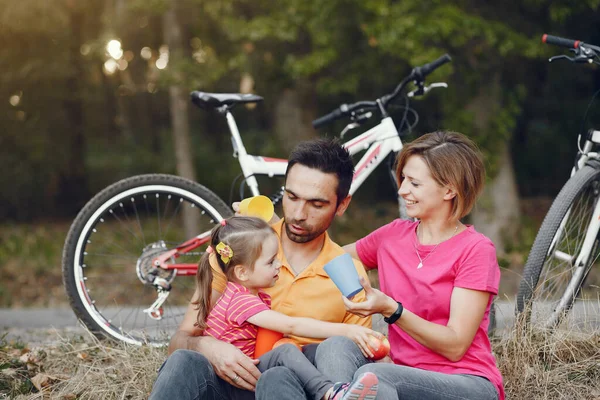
x,y
73,191
497,213
179,98
294,113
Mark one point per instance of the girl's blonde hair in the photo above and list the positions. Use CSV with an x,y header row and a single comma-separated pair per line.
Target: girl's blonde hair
x,y
453,160
245,236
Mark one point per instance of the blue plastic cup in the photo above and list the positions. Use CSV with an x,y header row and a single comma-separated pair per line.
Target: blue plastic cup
x,y
342,272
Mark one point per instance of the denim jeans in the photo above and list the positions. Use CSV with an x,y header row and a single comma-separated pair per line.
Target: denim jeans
x,y
288,355
188,374
400,382
337,358
340,359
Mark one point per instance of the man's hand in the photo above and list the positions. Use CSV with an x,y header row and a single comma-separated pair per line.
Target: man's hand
x,y
236,209
376,302
231,365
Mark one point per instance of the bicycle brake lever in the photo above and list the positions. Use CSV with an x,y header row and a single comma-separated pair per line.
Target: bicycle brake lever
x,y
435,86
554,58
427,88
359,118
349,127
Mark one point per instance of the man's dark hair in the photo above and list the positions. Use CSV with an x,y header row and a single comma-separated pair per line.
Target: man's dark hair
x,y
328,156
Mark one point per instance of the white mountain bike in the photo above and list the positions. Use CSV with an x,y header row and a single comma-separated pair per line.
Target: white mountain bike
x,y
566,246
131,232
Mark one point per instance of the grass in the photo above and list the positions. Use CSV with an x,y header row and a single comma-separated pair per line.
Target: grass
x,y
535,365
78,368
29,260
546,365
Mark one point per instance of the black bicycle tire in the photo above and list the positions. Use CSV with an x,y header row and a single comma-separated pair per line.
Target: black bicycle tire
x,y
541,246
77,227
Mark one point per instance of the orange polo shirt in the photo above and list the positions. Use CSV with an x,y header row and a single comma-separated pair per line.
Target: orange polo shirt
x,y
311,293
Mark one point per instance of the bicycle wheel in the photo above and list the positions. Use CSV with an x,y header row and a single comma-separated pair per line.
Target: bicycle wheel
x,y
107,269
553,278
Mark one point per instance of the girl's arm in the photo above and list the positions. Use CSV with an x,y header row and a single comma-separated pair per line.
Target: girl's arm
x,y
313,328
452,340
351,249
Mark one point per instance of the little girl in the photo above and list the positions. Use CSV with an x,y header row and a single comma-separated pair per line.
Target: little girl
x,y
246,250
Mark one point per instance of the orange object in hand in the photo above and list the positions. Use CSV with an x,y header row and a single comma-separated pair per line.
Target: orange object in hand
x,y
379,348
265,340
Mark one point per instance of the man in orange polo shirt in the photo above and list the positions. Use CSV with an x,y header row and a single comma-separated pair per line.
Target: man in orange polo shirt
x,y
317,184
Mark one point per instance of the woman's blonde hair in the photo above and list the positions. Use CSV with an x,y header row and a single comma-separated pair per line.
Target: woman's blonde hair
x,y
245,236
453,160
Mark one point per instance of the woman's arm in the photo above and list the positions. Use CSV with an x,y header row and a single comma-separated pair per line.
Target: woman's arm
x,y
467,308
452,340
313,328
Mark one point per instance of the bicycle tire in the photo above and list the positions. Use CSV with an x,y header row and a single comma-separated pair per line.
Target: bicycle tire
x,y
114,237
537,299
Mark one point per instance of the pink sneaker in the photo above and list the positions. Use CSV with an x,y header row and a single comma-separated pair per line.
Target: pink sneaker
x,y
362,388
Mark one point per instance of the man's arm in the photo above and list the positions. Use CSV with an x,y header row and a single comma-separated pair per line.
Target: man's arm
x,y
351,249
189,336
227,360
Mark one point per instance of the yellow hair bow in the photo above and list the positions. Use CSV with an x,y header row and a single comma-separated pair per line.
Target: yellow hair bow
x,y
225,252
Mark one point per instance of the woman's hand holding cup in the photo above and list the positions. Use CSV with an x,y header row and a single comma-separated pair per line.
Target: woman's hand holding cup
x,y
375,302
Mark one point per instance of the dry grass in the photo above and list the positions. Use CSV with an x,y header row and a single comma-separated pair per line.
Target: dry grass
x,y
78,368
549,365
535,365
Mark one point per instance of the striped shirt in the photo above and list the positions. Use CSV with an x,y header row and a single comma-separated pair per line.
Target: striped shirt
x,y
227,320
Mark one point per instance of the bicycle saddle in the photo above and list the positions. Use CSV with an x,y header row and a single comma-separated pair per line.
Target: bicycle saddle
x,y
214,100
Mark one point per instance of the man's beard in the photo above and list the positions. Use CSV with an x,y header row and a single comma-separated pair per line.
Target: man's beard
x,y
310,235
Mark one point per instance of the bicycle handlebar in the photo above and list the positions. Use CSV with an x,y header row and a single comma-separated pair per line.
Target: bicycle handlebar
x,y
560,41
418,74
423,71
342,111
328,118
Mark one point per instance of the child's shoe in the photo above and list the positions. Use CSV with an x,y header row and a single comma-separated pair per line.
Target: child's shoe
x,y
362,388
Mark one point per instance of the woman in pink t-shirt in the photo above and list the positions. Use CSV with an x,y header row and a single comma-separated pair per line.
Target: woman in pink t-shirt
x,y
437,278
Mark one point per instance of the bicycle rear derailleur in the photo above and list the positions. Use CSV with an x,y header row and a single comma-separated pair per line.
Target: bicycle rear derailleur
x,y
160,278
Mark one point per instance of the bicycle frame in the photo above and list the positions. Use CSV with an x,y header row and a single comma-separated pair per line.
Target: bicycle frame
x,y
378,142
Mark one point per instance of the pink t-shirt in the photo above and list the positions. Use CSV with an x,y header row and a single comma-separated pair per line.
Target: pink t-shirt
x,y
467,260
227,320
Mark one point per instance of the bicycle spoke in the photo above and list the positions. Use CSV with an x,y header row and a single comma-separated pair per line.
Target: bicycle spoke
x,y
137,217
173,215
158,217
122,223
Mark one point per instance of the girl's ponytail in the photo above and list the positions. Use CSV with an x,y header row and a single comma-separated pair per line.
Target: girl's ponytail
x,y
204,278
243,237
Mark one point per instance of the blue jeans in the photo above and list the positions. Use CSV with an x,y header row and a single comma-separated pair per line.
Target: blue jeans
x,y
188,374
341,360
337,358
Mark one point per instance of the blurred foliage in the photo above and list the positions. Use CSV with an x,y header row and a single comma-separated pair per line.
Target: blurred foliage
x,y
70,126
